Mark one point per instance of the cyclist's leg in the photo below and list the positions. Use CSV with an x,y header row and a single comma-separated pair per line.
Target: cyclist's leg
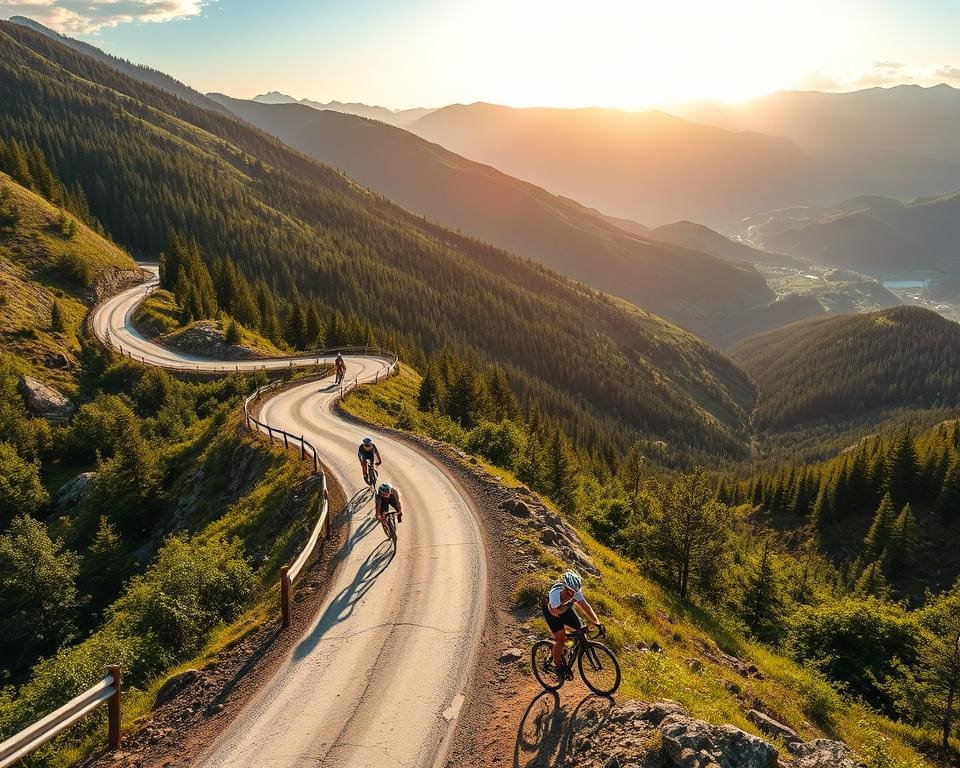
x,y
559,642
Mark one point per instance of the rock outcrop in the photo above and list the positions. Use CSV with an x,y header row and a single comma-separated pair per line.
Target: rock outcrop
x,y
72,492
662,734
44,400
205,338
553,533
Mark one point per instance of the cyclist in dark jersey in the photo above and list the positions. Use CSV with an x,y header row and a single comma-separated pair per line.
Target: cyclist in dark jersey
x,y
368,452
388,496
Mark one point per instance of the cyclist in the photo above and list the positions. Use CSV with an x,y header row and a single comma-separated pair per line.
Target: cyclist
x,y
368,452
558,610
388,496
341,367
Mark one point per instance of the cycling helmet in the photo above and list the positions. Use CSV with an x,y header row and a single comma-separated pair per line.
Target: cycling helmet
x,y
572,580
367,440
385,488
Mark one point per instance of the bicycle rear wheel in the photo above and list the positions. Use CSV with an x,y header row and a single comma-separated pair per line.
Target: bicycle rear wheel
x,y
392,529
372,475
599,668
541,660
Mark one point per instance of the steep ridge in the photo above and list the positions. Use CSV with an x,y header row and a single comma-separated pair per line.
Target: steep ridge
x,y
398,117
684,284
841,367
423,600
151,163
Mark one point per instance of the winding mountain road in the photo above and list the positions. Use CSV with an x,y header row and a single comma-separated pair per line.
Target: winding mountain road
x,y
379,677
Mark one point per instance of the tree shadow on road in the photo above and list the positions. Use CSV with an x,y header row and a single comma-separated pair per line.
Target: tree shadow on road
x,y
546,734
341,607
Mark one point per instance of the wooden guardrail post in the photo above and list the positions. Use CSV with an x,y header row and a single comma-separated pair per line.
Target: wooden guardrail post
x,y
303,448
113,707
284,433
285,596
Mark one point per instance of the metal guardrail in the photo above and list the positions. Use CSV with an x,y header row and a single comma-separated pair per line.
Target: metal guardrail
x,y
321,529
35,736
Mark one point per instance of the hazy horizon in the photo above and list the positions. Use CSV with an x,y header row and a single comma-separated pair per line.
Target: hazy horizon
x,y
423,53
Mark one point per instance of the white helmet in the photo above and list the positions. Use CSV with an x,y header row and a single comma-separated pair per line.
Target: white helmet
x,y
572,580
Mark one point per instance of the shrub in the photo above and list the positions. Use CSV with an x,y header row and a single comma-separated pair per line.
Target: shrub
x,y
233,335
530,590
38,591
75,268
499,442
20,489
100,426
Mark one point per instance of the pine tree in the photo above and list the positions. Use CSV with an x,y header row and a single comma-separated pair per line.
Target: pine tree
x,y
503,401
58,321
904,539
432,395
871,581
879,536
948,502
295,323
267,307
901,468
315,329
560,470
232,335
762,600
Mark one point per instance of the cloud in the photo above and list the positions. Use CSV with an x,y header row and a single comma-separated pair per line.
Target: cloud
x,y
948,72
888,66
87,16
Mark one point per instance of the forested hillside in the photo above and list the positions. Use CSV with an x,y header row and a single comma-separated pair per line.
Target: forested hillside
x,y
687,284
113,478
839,368
152,165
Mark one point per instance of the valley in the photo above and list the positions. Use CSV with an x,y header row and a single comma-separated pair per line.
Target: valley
x,y
687,375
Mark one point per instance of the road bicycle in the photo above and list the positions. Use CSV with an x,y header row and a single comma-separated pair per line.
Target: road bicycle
x,y
340,375
372,474
390,525
597,664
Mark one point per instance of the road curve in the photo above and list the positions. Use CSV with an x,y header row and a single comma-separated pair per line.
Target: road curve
x,y
378,678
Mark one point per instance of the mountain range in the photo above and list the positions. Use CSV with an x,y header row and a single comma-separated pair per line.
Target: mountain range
x,y
150,164
695,285
869,233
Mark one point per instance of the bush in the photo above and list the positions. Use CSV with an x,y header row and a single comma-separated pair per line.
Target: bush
x,y
20,489
38,591
531,589
100,426
190,588
857,642
233,335
75,268
500,442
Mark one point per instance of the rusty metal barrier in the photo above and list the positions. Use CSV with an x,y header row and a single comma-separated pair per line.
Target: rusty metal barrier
x,y
35,736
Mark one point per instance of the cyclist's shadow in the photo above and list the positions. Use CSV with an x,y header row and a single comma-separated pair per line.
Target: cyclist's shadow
x,y
546,734
341,607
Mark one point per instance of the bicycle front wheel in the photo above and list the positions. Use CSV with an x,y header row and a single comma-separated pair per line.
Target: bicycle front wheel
x,y
541,660
599,668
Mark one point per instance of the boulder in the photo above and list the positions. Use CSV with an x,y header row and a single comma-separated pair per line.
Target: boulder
x,y
44,400
659,711
511,655
174,685
72,492
727,746
520,509
821,753
772,727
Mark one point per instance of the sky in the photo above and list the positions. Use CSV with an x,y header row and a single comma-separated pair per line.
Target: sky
x,y
630,54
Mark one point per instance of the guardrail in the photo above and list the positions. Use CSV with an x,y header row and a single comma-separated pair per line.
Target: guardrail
x,y
35,736
321,529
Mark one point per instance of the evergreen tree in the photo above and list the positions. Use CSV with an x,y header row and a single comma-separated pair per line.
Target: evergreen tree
x,y
879,536
295,323
232,335
762,600
872,582
904,539
560,470
267,308
503,402
948,501
315,329
58,321
901,468
432,394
